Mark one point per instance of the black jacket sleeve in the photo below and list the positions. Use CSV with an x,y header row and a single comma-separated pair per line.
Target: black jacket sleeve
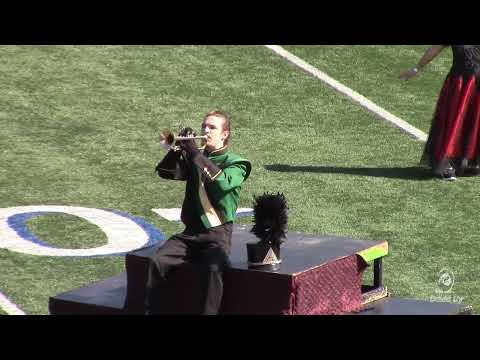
x,y
172,166
208,168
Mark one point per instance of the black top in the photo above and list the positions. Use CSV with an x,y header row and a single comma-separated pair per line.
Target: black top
x,y
466,60
301,252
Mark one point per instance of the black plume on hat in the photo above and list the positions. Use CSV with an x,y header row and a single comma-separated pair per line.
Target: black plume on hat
x,y
271,218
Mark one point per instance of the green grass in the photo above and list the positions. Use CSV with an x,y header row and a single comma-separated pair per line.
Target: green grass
x,y
80,127
61,231
373,71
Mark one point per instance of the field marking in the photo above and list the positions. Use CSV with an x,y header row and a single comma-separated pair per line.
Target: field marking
x,y
173,214
9,307
356,97
123,233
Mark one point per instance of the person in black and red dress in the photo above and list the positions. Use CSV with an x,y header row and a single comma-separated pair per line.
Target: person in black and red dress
x,y
453,146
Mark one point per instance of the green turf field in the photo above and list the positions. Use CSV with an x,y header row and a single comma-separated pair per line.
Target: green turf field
x,y
80,127
373,71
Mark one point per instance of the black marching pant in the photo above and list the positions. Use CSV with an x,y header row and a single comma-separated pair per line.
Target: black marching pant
x,y
209,249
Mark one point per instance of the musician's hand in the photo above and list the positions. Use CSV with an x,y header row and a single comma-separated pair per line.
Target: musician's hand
x,y
187,131
189,146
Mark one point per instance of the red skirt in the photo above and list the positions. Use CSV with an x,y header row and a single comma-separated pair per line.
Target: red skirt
x,y
455,130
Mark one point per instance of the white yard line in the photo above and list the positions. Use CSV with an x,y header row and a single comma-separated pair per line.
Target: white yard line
x,y
356,97
9,307
173,214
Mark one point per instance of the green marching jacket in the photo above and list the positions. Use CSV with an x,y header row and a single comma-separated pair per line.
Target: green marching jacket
x,y
214,181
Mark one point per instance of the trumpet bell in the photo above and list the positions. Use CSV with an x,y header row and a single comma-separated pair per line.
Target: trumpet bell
x,y
168,139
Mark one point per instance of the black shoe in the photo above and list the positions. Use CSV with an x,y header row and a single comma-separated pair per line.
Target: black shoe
x,y
446,172
447,176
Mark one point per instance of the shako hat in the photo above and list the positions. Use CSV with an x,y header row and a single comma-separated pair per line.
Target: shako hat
x,y
270,219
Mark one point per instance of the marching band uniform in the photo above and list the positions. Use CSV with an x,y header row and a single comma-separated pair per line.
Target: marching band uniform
x,y
213,184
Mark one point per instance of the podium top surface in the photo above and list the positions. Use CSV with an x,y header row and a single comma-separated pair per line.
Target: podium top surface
x,y
300,252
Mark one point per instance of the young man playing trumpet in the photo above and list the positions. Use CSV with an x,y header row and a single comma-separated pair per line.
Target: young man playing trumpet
x,y
214,178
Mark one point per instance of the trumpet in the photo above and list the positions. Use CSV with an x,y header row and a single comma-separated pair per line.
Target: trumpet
x,y
168,139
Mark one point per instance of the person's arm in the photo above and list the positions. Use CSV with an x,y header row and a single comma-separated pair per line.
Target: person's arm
x,y
428,56
172,166
230,178
225,179
208,168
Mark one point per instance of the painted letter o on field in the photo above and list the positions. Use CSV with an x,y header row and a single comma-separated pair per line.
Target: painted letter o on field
x,y
124,232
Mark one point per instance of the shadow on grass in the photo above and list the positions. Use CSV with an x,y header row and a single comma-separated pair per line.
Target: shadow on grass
x,y
408,173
